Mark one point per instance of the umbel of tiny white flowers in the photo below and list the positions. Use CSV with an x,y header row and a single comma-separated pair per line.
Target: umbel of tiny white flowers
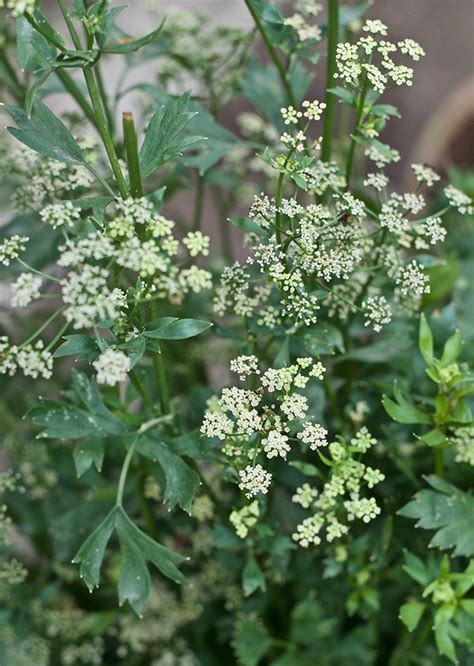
x,y
255,425
112,367
19,7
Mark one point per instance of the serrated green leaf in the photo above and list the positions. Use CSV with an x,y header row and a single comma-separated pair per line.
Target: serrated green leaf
x,y
410,614
447,510
163,558
83,347
170,328
88,453
444,642
134,580
92,551
34,52
182,482
45,133
252,577
162,142
62,421
251,641
87,391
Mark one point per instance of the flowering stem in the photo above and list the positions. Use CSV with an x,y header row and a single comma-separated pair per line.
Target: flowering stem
x,y
131,151
35,270
38,332
273,54
330,113
124,472
70,85
358,118
58,336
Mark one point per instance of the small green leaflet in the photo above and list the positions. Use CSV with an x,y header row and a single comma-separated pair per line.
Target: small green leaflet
x,y
251,641
425,341
410,614
182,482
69,421
403,411
248,225
82,347
45,134
136,549
162,142
88,453
252,577
171,328
448,510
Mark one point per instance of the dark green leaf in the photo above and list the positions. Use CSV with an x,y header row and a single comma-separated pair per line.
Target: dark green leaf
x,y
45,134
248,225
404,412
62,421
134,580
92,551
251,641
162,142
252,577
447,510
34,52
88,453
182,482
170,328
83,347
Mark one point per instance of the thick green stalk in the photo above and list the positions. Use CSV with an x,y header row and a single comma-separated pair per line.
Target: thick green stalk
x,y
439,462
99,114
104,132
131,151
358,118
160,371
330,112
273,54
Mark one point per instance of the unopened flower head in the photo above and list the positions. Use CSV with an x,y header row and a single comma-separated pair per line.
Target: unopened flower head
x,y
60,214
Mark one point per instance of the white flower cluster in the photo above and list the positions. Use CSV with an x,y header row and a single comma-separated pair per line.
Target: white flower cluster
x,y
262,421
369,60
463,441
25,289
340,500
34,360
11,248
254,480
111,367
425,174
303,29
19,7
457,199
62,213
377,312
39,181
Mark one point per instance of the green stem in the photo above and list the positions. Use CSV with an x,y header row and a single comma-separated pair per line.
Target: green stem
x,y
104,132
439,462
160,371
331,101
124,472
279,194
358,118
100,117
38,332
131,151
50,37
35,270
18,90
104,97
142,392
75,92
198,204
58,336
273,54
